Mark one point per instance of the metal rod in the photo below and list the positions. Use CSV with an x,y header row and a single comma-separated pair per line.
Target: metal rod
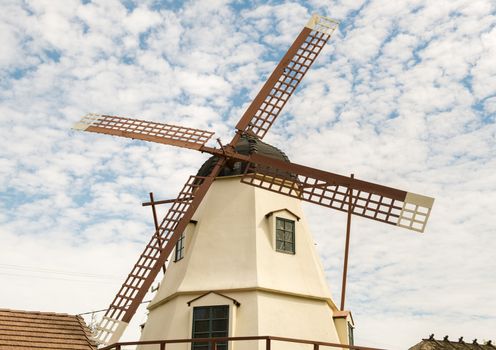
x,y
155,221
166,201
347,246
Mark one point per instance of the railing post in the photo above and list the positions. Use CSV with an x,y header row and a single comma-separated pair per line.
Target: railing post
x,y
162,346
315,346
118,347
267,344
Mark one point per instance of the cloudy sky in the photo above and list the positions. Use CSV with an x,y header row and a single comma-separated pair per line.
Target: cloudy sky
x,y
404,95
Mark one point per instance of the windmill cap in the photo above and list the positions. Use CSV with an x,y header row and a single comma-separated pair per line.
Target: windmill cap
x,y
246,145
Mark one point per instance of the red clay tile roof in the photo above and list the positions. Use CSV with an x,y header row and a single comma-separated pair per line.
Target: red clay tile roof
x,y
34,330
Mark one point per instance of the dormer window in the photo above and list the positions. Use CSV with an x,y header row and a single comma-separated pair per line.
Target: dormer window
x,y
282,224
285,235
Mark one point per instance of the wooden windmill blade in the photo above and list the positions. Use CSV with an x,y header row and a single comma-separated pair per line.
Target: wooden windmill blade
x,y
155,254
369,200
144,130
283,81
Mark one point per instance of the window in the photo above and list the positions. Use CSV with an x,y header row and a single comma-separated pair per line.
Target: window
x,y
179,248
351,341
285,235
210,322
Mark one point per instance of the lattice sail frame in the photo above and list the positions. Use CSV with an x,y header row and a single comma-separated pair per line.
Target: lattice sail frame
x,y
322,24
156,252
372,201
144,130
415,212
282,83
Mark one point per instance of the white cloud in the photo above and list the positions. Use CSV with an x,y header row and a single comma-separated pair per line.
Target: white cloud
x,y
402,95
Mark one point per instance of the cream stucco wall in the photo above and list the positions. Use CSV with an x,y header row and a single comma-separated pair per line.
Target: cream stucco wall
x,y
231,250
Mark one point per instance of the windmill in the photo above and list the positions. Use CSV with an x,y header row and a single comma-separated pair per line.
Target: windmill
x,y
347,194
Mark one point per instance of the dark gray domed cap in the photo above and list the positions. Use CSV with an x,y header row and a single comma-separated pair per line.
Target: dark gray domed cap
x,y
246,145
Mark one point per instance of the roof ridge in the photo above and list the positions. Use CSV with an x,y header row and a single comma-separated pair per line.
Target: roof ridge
x,y
37,312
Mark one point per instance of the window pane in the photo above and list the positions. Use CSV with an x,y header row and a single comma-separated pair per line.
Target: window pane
x,y
279,234
288,225
219,325
201,326
288,236
279,223
201,335
201,313
200,346
219,334
220,312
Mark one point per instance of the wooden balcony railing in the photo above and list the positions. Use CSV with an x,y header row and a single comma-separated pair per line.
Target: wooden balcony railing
x,y
269,340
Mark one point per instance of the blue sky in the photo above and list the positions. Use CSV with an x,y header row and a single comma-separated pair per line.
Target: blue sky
x,y
404,94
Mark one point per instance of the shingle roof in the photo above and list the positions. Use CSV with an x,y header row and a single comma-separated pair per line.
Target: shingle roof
x,y
246,145
43,330
446,344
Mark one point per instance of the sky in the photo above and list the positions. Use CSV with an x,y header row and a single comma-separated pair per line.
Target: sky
x,y
403,94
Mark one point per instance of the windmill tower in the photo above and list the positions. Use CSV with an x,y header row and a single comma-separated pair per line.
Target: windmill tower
x,y
246,256
244,260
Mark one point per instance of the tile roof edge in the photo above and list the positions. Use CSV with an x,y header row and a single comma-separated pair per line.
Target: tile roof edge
x,y
91,342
